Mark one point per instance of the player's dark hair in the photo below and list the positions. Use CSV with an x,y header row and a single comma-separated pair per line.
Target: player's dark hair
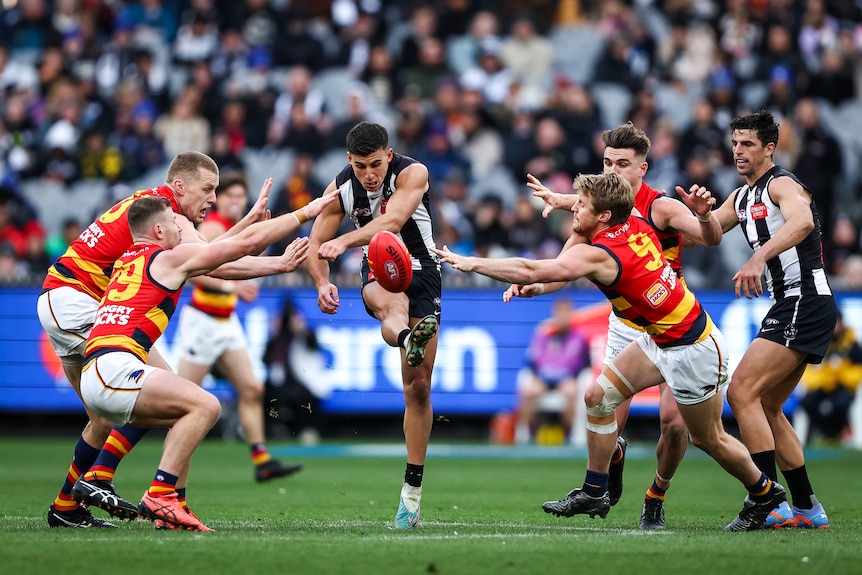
x,y
365,138
143,211
761,123
627,137
229,180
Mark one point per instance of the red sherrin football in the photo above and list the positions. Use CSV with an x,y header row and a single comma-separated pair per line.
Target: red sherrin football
x,y
389,261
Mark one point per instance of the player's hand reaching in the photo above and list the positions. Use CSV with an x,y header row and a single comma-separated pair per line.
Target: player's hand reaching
x,y
313,208
295,254
460,263
526,291
698,199
748,278
327,298
546,195
259,211
247,290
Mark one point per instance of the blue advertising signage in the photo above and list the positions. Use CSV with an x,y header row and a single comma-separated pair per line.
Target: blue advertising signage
x,y
482,344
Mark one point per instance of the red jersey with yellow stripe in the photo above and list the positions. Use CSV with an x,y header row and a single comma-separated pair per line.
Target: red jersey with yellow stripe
x,y
646,292
671,242
135,310
216,303
89,260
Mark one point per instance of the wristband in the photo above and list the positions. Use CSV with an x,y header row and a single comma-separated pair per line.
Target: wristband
x,y
541,289
301,215
704,219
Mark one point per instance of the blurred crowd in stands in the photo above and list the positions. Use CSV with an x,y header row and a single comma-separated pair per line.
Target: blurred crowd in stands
x,y
96,96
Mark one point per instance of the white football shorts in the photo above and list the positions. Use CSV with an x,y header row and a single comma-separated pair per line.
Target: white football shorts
x,y
619,336
110,385
203,338
693,372
67,316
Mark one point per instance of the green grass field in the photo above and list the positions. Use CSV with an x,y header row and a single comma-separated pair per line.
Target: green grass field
x,y
480,515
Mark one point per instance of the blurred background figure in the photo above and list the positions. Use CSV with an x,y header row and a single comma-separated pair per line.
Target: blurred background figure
x,y
295,382
557,355
829,387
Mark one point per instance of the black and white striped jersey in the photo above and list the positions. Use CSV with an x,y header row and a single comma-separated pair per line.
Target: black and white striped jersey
x,y
362,206
797,271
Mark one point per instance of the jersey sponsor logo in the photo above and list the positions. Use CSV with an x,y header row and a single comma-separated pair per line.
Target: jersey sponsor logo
x,y
758,211
656,294
114,315
91,235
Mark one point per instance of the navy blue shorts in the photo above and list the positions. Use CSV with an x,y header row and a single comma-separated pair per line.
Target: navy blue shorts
x,y
802,323
424,291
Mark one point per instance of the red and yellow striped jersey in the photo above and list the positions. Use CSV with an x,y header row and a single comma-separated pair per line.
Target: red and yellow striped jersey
x,y
89,260
216,303
135,310
671,242
647,294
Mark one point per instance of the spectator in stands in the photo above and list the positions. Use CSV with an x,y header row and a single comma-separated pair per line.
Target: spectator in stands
x,y
819,164
528,234
781,93
704,134
454,18
183,128
57,243
231,56
153,20
142,149
295,381
851,276
557,355
829,387
614,65
489,74
202,78
437,152
423,25
355,43
12,270
574,108
834,80
550,151
30,29
478,140
222,154
99,160
779,50
357,111
491,231
841,241
294,44
381,77
430,69
197,39
299,89
527,54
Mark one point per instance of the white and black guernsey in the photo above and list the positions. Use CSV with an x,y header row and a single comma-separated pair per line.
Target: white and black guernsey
x,y
361,206
797,271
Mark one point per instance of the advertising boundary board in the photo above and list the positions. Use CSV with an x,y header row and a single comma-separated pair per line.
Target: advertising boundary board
x,y
482,345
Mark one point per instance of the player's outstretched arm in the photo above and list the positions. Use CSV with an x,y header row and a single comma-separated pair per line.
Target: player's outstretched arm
x,y
258,213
